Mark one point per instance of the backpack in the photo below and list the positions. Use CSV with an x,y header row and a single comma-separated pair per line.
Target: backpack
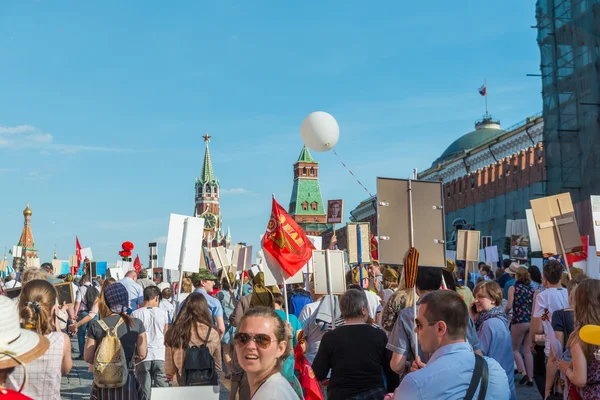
x,y
297,303
199,366
261,297
110,364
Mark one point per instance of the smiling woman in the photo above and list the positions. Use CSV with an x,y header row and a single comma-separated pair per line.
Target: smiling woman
x,y
261,344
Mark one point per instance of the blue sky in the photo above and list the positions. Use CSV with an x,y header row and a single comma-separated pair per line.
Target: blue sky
x,y
103,103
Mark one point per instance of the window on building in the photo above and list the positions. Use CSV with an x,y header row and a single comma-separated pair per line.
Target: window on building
x,y
304,171
314,206
312,171
305,206
216,190
207,189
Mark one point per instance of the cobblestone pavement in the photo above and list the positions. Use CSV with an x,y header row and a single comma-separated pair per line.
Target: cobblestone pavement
x,y
78,383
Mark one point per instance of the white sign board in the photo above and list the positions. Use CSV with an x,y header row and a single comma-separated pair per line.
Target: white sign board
x,y
186,393
336,269
274,275
595,201
116,273
87,252
193,243
317,241
593,263
534,238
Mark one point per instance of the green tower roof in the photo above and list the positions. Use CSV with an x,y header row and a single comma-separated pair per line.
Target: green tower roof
x,y
306,189
207,169
305,156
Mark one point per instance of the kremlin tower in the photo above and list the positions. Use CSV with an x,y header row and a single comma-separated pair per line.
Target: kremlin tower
x,y
26,241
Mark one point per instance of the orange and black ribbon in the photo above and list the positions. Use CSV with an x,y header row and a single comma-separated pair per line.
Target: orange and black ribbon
x,y
410,267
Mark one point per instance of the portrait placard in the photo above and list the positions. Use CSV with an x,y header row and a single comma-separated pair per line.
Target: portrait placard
x,y
64,292
335,211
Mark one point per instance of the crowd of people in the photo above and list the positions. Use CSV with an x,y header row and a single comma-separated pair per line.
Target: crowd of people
x,y
445,338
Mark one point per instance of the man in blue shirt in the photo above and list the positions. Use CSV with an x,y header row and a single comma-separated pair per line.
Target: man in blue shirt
x,y
442,326
401,341
134,290
204,282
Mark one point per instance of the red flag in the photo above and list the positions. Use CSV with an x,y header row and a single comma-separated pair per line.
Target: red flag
x,y
137,264
286,241
78,254
572,258
306,376
374,248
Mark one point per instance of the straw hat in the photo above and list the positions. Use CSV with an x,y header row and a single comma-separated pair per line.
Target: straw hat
x,y
17,346
512,269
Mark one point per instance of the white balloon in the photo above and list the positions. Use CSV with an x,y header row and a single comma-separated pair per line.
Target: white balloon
x,y
320,131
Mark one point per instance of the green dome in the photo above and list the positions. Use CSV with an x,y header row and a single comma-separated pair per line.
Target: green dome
x,y
485,131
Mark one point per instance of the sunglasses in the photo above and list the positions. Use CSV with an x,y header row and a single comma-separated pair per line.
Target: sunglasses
x,y
262,340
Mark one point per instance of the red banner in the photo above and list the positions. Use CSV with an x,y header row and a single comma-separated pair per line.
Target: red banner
x,y
137,264
286,241
579,255
374,248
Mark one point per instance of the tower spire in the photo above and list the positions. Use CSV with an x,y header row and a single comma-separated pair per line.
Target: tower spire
x,y
207,169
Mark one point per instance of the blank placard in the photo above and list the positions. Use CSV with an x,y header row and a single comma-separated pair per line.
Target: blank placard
x,y
186,393
193,243
393,221
336,269
274,274
467,245
559,209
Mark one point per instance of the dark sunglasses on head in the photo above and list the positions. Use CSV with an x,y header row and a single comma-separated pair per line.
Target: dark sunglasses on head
x,y
262,340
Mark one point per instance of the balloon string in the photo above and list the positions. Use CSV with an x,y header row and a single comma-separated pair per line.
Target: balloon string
x,y
352,173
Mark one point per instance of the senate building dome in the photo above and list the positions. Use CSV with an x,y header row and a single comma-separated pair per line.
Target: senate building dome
x,y
485,130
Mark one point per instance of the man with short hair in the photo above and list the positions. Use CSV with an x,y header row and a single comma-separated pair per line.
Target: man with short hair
x,y
143,279
442,325
505,277
401,340
553,298
49,269
151,372
204,283
134,290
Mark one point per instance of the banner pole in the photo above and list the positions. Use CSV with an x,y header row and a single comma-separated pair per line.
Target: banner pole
x,y
285,299
330,287
181,258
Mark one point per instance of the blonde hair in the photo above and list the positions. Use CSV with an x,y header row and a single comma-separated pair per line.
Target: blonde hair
x,y
523,275
32,273
587,312
37,299
490,289
186,285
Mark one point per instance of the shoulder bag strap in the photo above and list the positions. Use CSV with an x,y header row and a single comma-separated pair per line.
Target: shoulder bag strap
x,y
208,335
478,376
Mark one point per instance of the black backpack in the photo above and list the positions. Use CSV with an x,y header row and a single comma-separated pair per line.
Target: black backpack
x,y
199,366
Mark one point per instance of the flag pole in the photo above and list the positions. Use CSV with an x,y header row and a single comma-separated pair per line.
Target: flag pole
x,y
330,287
486,98
412,245
181,258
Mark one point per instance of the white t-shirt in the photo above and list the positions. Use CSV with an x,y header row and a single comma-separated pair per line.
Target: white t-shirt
x,y
374,302
546,303
275,388
168,307
13,283
312,332
154,320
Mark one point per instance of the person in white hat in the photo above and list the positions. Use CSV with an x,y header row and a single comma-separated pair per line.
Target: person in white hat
x,y
17,347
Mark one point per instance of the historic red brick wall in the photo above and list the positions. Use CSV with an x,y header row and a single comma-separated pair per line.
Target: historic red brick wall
x,y
507,175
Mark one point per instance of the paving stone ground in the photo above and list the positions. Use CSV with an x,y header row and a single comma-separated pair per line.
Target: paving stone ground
x,y
78,383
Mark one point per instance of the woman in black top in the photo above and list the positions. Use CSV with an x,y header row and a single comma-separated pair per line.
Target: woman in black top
x,y
355,353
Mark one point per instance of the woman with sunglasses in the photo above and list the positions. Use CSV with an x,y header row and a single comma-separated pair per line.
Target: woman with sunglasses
x,y
262,344
193,326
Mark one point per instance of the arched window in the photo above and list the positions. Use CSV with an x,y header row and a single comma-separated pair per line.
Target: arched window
x,y
207,189
304,171
216,190
305,206
312,171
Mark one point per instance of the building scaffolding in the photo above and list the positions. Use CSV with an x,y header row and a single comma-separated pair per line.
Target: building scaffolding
x,y
569,38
